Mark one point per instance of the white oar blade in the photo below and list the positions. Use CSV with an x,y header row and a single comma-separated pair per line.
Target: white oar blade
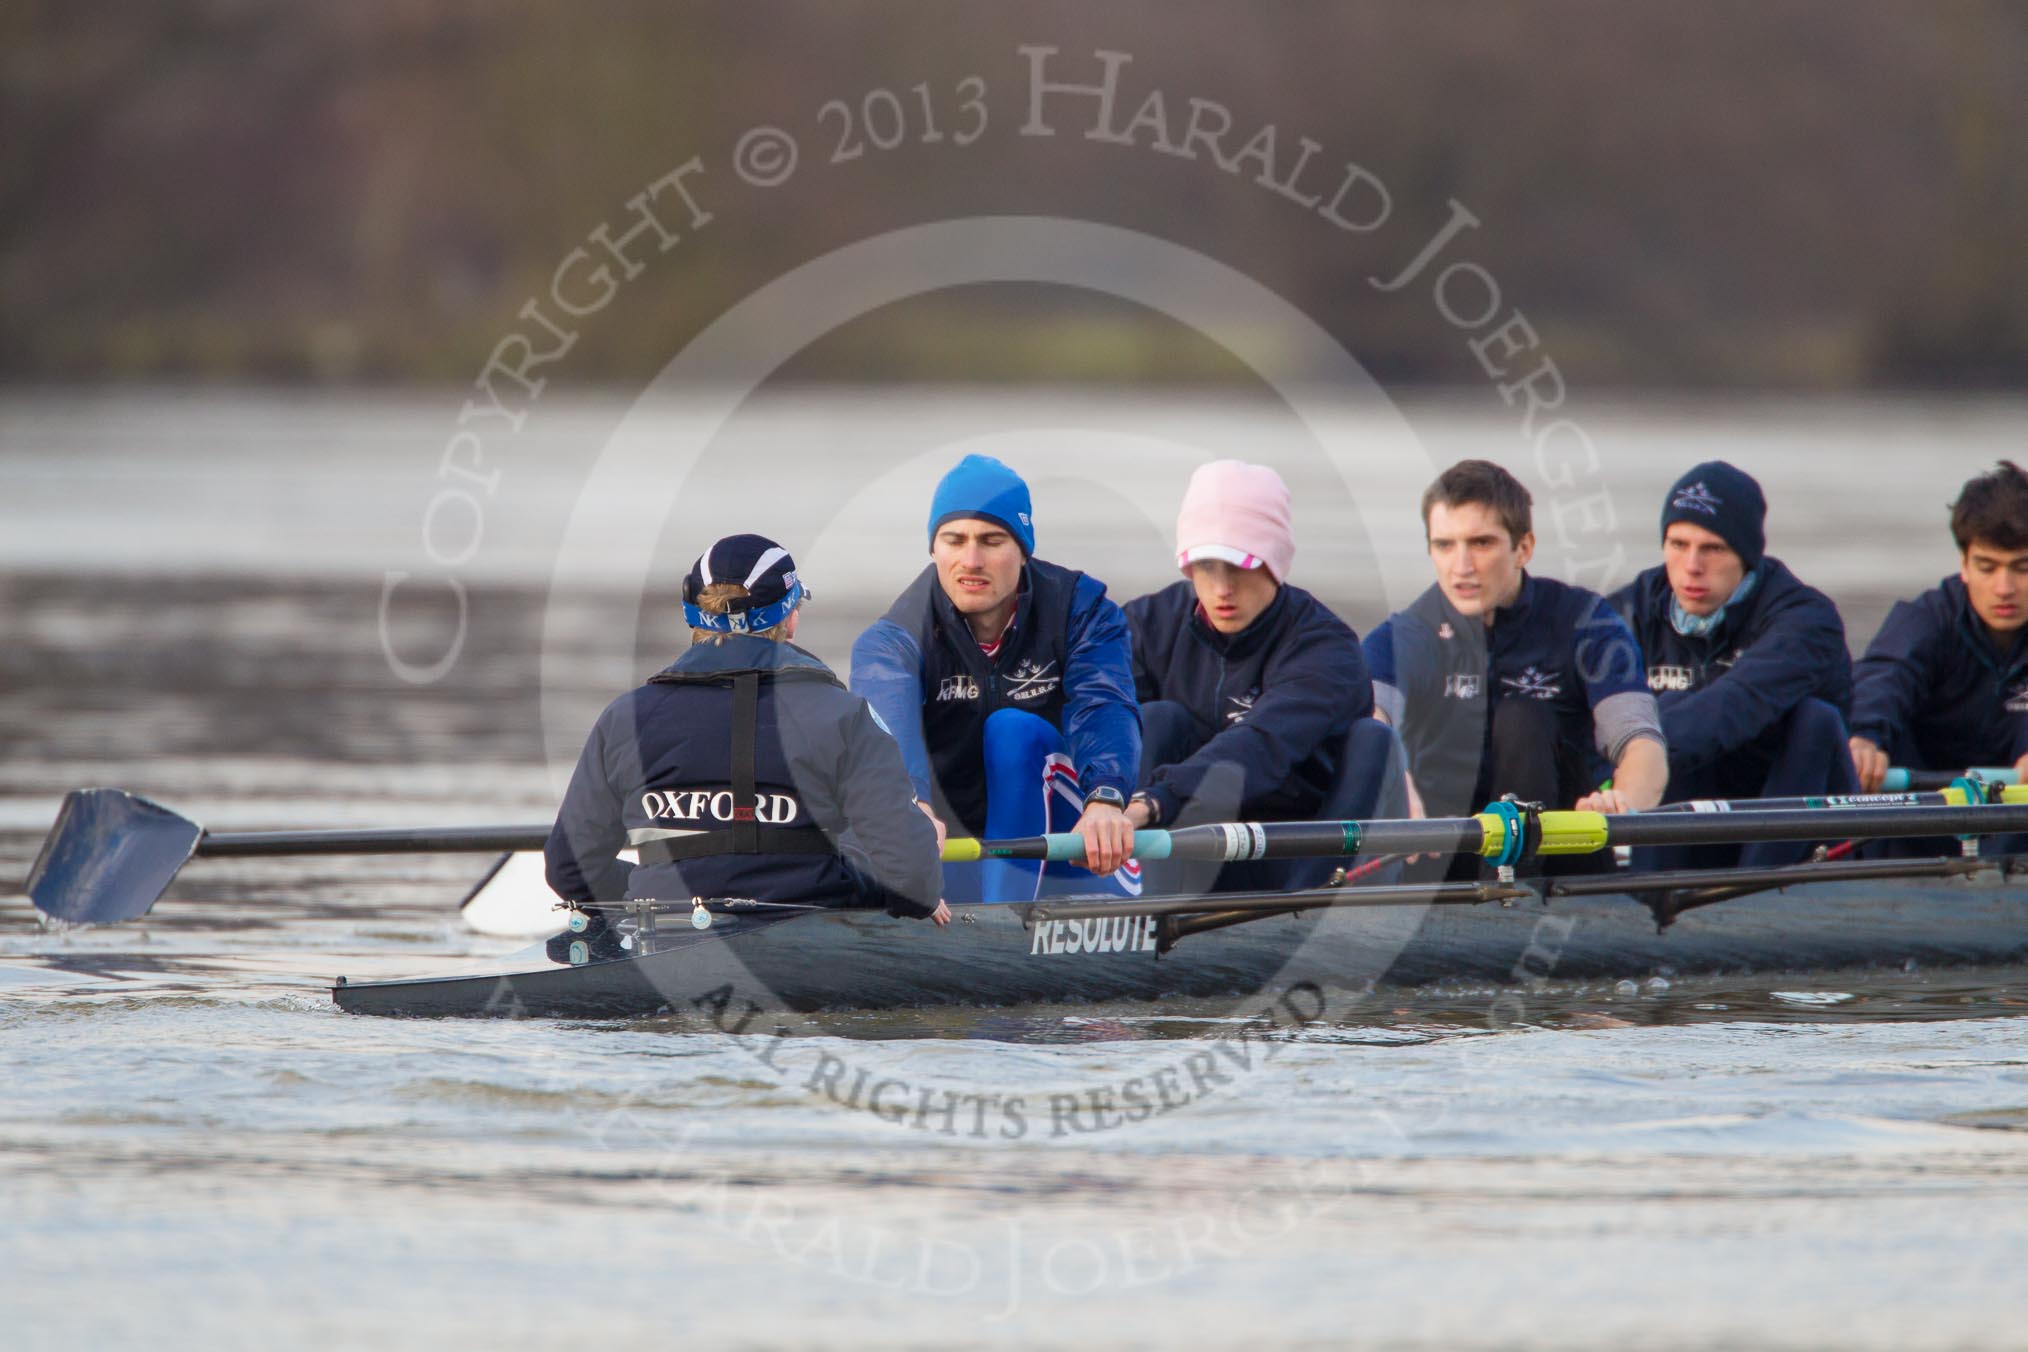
x,y
514,900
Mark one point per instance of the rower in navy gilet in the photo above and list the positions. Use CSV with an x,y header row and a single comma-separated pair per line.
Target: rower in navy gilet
x,y
1748,664
745,769
1008,683
1505,683
1944,685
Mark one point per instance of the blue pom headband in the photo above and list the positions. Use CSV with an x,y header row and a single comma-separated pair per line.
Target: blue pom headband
x,y
756,620
758,564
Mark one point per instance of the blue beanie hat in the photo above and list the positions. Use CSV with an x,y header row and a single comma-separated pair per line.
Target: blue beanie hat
x,y
1725,501
982,487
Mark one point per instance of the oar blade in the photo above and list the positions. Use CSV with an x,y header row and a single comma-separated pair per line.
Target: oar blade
x,y
109,856
513,901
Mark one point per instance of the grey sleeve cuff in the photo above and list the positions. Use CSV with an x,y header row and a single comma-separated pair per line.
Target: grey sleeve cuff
x,y
1390,701
1618,719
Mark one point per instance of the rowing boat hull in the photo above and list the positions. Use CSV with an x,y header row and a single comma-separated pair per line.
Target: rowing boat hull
x,y
996,956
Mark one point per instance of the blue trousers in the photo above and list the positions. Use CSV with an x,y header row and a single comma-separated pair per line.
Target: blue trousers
x,y
1806,754
1031,789
1369,783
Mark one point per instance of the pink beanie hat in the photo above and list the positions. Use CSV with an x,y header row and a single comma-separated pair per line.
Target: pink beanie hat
x,y
1239,513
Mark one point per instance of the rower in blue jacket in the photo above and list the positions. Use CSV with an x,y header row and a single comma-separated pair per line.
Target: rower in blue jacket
x,y
745,769
1944,685
1501,682
1008,682
1748,664
1255,702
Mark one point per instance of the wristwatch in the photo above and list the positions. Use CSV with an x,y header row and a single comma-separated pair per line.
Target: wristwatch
x,y
1150,802
1107,794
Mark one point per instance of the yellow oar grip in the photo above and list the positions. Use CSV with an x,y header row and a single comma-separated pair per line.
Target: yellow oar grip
x,y
1562,833
1572,833
2011,793
961,850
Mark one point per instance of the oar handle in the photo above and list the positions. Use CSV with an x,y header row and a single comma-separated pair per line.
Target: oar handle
x,y
1229,842
1058,847
1901,779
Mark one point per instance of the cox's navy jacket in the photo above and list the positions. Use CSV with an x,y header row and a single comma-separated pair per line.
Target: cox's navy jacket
x,y
1439,674
658,766
1933,691
1066,658
1720,692
1277,698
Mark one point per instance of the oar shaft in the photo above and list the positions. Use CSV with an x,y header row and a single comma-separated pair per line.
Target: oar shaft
x,y
1327,898
1950,796
1859,823
1936,798
1227,842
1561,833
378,840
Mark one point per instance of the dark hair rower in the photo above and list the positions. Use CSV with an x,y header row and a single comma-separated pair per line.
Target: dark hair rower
x,y
1484,482
1993,509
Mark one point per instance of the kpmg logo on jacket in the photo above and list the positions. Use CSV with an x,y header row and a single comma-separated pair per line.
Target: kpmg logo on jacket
x,y
1032,680
1242,705
1661,679
1534,683
1698,498
957,687
1463,685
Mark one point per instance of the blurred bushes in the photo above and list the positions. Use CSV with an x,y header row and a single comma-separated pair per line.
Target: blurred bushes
x,y
1820,193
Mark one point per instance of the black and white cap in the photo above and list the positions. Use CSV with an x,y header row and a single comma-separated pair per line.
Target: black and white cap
x,y
760,565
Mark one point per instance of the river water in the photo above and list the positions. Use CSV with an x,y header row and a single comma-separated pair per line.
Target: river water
x,y
199,1151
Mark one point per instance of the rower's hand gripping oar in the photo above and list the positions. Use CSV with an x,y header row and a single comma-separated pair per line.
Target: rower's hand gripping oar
x,y
111,853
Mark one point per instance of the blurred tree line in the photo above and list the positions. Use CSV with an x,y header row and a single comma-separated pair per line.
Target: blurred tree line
x,y
1814,193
